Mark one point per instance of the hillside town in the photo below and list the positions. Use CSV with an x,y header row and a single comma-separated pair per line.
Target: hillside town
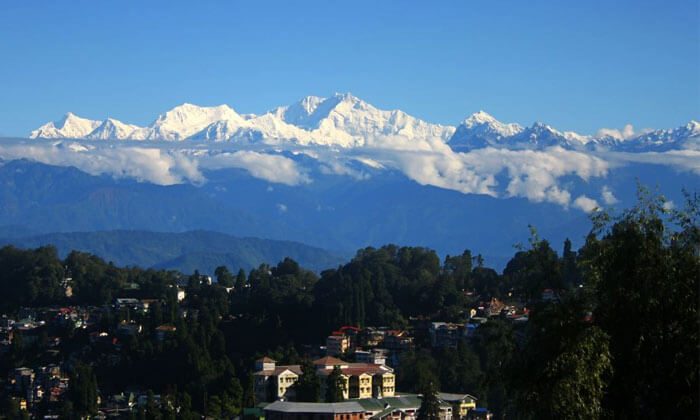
x,y
368,381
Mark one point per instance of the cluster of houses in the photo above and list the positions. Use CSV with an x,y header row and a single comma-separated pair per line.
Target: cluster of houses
x,y
33,327
377,345
31,386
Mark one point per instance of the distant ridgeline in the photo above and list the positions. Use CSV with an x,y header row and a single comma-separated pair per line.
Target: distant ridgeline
x,y
185,252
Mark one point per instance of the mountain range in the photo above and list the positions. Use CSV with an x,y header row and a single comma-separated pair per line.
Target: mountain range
x,y
183,251
346,121
334,173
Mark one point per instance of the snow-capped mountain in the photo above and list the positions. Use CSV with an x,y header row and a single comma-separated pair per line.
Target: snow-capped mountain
x,y
346,121
482,130
341,120
684,137
70,126
111,129
185,120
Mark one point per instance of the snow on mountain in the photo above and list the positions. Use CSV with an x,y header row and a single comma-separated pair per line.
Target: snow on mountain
x,y
540,136
70,126
481,130
346,121
112,129
684,137
306,113
361,120
185,120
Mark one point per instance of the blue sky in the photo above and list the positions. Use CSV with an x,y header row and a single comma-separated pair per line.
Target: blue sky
x,y
577,66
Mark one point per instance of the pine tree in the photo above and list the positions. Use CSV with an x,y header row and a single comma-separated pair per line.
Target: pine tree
x,y
335,386
308,387
430,405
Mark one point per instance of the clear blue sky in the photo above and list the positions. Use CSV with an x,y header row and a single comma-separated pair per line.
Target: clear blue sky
x,y
578,65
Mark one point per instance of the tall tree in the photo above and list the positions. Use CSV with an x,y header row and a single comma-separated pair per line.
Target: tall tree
x,y
308,386
335,386
224,277
645,277
82,391
430,404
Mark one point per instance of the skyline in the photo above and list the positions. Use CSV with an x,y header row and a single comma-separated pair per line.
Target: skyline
x,y
578,68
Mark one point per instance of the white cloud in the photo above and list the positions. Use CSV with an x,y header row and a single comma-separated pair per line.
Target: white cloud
x,y
669,205
334,166
608,196
273,168
626,132
688,160
282,208
534,175
586,204
158,166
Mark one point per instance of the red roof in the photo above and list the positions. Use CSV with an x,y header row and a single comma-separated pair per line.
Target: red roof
x,y
329,361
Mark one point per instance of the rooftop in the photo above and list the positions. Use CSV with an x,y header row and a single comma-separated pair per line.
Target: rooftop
x,y
304,407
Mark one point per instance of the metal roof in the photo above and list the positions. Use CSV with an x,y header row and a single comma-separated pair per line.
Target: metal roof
x,y
306,407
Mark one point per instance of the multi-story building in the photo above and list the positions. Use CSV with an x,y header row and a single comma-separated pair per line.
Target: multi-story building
x,y
445,334
361,380
337,344
461,404
274,382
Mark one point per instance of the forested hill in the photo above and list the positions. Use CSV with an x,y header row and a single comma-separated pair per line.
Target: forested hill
x,y
185,252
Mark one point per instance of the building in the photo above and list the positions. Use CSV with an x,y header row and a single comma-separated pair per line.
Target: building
x,y
285,410
361,380
376,356
398,340
337,344
403,407
445,334
165,330
461,404
274,382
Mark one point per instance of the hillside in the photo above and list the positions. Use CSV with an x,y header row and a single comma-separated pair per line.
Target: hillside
x,y
187,251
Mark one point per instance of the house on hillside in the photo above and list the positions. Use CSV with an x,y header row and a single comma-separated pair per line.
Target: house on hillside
x,y
362,380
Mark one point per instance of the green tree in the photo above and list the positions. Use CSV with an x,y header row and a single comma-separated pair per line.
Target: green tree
x,y
82,391
308,386
224,277
565,365
644,274
430,404
335,386
240,280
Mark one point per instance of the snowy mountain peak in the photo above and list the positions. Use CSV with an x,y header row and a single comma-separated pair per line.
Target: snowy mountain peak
x,y
70,126
112,129
482,130
185,120
343,120
479,117
693,127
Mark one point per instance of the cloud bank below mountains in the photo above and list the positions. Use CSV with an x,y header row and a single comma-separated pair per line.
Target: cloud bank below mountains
x,y
536,175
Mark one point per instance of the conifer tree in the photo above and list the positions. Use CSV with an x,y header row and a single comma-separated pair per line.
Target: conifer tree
x,y
430,405
335,386
308,387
